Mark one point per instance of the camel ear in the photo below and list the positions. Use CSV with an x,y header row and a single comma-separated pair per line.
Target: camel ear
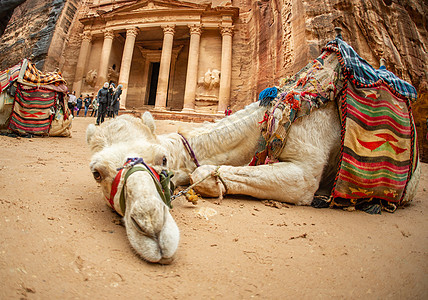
x,y
90,132
149,121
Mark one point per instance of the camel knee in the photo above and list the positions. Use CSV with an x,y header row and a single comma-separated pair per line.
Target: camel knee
x,y
207,185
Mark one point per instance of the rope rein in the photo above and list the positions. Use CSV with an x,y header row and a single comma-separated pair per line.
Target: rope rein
x,y
219,181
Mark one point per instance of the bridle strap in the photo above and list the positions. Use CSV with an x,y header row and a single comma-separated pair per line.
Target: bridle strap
x,y
189,150
114,187
162,186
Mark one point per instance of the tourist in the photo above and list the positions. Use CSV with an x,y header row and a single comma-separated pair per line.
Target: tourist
x,y
87,103
228,111
116,100
103,98
94,107
71,102
111,92
79,102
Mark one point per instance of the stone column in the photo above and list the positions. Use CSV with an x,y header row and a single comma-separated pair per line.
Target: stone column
x,y
125,66
165,63
81,62
226,68
105,56
192,68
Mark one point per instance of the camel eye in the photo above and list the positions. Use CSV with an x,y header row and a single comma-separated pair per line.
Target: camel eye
x,y
97,175
164,161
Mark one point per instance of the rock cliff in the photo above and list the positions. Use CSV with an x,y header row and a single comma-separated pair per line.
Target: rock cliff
x,y
281,36
276,38
29,32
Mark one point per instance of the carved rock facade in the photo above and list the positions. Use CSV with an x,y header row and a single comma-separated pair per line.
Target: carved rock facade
x,y
271,39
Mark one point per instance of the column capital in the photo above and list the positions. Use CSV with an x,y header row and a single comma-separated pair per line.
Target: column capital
x,y
168,29
132,32
226,30
195,29
86,36
108,34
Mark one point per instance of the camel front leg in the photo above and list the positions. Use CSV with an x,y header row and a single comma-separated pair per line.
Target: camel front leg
x,y
285,181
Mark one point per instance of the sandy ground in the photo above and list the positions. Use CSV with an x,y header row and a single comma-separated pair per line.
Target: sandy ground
x,y
58,240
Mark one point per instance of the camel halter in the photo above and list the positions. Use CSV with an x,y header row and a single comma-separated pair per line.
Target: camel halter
x,y
215,173
162,182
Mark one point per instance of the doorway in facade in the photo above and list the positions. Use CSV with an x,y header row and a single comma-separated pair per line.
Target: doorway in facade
x,y
153,80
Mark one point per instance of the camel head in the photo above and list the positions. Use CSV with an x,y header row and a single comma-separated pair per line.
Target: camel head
x,y
151,230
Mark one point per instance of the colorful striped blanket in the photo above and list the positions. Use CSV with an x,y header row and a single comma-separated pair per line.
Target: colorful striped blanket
x,y
32,110
378,147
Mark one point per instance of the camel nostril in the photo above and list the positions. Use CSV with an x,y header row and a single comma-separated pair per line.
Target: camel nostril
x,y
140,228
137,226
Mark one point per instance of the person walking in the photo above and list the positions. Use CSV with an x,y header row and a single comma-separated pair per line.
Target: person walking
x,y
95,104
116,100
87,103
103,102
71,102
79,103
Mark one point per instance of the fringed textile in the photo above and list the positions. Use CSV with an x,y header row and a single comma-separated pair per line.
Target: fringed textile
x,y
312,88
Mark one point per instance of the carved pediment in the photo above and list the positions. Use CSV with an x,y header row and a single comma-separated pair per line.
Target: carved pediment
x,y
156,5
154,8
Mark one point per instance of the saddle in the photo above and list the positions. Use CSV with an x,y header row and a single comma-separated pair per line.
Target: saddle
x,y
378,146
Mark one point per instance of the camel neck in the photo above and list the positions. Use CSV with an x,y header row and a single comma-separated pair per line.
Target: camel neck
x,y
230,141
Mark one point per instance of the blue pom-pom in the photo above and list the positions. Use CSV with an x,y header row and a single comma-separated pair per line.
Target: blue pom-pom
x,y
267,95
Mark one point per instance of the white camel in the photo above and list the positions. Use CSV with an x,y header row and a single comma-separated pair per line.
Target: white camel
x,y
306,164
151,230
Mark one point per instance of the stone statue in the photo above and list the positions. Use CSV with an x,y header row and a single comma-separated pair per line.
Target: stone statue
x,y
208,85
91,77
113,75
211,79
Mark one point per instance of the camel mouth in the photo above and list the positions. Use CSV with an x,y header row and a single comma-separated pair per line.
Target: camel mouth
x,y
151,249
166,261
150,227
